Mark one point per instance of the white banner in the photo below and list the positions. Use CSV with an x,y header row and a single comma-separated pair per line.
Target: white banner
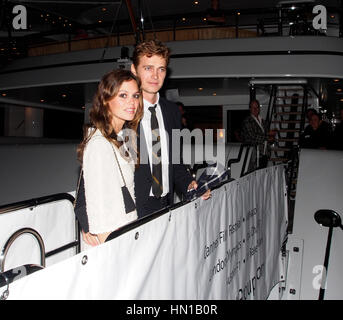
x,y
227,247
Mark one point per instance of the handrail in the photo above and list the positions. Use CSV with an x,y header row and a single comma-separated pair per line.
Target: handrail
x,y
141,221
14,237
35,202
243,146
43,200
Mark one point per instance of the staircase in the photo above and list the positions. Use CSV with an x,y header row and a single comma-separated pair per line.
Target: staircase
x,y
286,115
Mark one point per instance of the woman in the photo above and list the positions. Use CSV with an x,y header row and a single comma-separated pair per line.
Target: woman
x,y
116,106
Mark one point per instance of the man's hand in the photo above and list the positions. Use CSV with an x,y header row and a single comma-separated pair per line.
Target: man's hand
x,y
90,239
194,185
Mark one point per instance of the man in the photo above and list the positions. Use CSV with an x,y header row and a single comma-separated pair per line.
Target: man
x,y
338,133
156,176
254,132
317,135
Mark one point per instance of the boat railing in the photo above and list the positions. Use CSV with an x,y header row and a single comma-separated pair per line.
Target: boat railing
x,y
7,276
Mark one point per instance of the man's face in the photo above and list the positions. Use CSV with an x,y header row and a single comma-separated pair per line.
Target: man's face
x,y
152,72
255,109
315,122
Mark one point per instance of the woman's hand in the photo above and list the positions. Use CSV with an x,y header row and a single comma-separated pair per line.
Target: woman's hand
x,y
194,185
90,239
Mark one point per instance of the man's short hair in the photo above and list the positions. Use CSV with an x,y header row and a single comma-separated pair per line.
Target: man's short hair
x,y
149,49
314,111
254,101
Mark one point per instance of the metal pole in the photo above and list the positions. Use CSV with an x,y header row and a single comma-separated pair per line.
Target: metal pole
x,y
326,264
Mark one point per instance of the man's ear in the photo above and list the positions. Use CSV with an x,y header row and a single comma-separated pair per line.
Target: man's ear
x,y
133,69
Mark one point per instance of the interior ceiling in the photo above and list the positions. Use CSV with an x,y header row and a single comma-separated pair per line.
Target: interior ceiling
x,y
87,14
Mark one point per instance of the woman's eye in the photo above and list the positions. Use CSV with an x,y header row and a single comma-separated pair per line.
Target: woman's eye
x,y
122,95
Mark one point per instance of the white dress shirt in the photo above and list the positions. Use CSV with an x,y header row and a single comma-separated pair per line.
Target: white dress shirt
x,y
146,123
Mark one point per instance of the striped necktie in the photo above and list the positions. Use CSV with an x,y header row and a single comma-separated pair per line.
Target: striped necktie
x,y
157,187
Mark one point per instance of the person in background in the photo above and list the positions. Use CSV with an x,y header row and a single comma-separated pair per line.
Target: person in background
x,y
185,119
214,15
156,178
309,113
105,160
254,132
317,135
338,133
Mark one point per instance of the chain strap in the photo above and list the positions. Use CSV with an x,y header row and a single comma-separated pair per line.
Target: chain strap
x,y
121,173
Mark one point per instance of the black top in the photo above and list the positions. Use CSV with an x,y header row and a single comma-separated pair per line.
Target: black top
x,y
320,138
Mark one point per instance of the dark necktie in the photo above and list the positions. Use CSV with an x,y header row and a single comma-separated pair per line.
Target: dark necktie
x,y
157,187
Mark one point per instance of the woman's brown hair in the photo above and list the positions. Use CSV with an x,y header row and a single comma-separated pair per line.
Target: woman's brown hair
x,y
100,115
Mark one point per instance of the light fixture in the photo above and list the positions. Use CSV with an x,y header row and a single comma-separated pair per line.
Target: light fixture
x,y
205,19
41,100
196,2
200,89
214,93
238,13
100,21
183,19
339,90
64,95
4,94
341,100
336,80
103,9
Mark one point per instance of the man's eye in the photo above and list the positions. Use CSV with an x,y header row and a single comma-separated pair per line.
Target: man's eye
x,y
136,96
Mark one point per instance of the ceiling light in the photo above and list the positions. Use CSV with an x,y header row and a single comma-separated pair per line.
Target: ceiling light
x,y
4,94
183,19
238,13
341,100
332,17
103,9
100,21
336,80
196,2
200,89
339,90
41,100
64,95
205,19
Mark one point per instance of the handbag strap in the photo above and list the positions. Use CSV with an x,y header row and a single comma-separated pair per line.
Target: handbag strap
x,y
78,187
121,173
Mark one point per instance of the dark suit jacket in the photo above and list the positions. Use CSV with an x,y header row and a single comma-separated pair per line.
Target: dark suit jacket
x,y
179,177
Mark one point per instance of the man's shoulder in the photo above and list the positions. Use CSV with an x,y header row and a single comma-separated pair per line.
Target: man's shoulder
x,y
165,102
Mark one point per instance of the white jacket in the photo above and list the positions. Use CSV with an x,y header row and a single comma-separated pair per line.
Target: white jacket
x,y
103,182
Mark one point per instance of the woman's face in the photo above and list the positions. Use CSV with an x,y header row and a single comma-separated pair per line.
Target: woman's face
x,y
125,104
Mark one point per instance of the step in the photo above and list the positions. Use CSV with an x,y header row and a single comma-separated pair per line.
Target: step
x,y
287,140
290,97
288,130
288,113
280,149
290,89
286,121
284,105
279,159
